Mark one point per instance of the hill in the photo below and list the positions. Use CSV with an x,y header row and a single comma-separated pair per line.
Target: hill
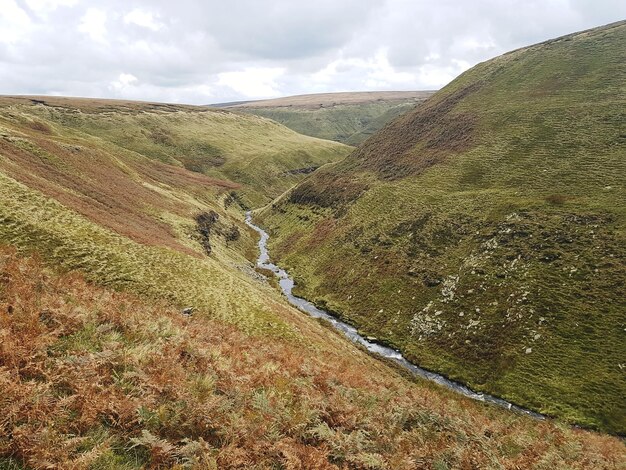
x,y
102,245
483,233
349,118
264,157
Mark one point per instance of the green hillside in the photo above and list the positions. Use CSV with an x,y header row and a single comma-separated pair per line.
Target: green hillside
x,y
349,118
105,236
483,234
264,157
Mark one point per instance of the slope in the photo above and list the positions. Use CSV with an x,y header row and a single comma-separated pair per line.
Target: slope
x,y
98,368
93,378
349,118
262,156
483,233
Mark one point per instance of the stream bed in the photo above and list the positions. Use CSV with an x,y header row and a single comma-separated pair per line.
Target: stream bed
x,y
287,284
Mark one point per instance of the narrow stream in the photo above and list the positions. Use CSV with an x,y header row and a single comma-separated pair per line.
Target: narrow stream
x,y
287,284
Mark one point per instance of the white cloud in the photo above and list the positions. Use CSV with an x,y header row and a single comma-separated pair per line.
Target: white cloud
x,y
434,77
373,72
253,82
203,51
39,5
93,24
143,18
382,75
14,22
123,82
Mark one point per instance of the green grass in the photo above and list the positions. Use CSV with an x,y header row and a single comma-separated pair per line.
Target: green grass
x,y
348,123
483,233
106,373
214,285
257,153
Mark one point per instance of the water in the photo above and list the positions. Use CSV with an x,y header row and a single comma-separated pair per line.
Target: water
x,y
287,284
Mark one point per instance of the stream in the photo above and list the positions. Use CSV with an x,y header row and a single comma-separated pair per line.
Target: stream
x,y
287,284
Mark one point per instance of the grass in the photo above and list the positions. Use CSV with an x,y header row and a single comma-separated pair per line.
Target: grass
x,y
336,116
94,378
34,223
100,250
483,233
260,155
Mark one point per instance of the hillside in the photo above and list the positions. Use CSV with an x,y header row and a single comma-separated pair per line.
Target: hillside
x,y
483,233
349,118
100,249
102,245
93,378
262,156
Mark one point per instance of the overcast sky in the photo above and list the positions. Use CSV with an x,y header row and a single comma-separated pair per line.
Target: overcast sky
x,y
195,51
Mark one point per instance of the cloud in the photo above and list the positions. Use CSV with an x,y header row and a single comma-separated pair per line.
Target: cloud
x,y
14,22
252,82
93,24
142,18
208,51
124,81
374,72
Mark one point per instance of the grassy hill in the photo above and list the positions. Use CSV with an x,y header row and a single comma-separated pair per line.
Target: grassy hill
x,y
483,233
101,245
99,379
103,241
344,117
264,157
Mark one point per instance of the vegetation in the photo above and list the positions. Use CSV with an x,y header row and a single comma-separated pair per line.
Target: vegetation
x,y
259,154
92,378
349,118
483,234
106,238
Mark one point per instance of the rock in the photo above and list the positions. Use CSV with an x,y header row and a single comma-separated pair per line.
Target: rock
x,y
430,281
187,311
529,350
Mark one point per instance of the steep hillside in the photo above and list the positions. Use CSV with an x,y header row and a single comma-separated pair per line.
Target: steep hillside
x,y
483,234
344,117
97,379
263,157
99,369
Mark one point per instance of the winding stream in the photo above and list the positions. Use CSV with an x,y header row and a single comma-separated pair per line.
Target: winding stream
x,y
287,284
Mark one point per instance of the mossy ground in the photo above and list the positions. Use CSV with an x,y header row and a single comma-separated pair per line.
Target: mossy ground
x,y
98,379
483,234
350,124
259,154
99,368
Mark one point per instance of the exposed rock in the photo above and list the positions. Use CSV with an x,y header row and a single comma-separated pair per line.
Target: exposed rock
x,y
187,311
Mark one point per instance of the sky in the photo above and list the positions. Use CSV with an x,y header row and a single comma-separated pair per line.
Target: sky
x,y
200,52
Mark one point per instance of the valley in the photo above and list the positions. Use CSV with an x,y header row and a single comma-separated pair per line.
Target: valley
x,y
370,343
482,234
462,268
349,118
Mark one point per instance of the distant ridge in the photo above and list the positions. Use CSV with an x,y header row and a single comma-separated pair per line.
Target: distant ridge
x,y
347,117
314,100
228,104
